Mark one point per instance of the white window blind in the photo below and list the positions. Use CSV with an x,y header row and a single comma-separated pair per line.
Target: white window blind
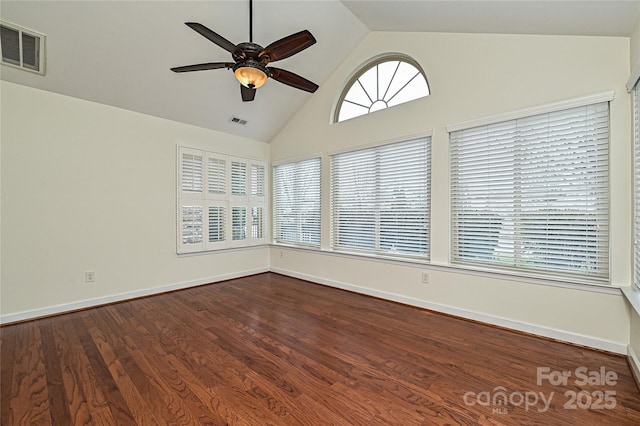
x,y
532,194
221,201
296,202
380,199
636,102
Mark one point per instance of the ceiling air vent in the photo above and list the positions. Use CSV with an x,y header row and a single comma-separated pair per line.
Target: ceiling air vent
x,y
22,48
236,120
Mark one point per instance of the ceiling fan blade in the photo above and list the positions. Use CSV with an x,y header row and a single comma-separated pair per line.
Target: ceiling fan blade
x,y
293,80
215,37
247,93
287,46
203,67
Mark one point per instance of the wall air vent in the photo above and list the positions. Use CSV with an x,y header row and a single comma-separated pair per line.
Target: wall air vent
x,y
237,120
22,48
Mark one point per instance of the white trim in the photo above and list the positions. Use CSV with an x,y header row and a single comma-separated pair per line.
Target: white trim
x,y
103,300
552,333
535,110
634,362
634,77
364,67
404,138
297,159
633,297
458,269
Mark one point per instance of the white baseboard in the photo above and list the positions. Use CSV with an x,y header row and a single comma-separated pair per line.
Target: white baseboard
x,y
634,361
565,336
103,300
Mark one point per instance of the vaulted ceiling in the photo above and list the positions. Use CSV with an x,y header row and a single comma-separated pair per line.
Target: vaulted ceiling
x,y
119,52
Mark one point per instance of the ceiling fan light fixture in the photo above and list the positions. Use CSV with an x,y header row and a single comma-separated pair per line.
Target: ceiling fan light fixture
x,y
251,75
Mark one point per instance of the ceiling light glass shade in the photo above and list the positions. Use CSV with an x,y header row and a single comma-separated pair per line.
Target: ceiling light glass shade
x,y
250,77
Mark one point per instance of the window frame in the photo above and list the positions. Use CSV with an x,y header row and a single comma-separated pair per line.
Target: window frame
x,y
201,196
299,166
636,185
517,115
388,57
377,252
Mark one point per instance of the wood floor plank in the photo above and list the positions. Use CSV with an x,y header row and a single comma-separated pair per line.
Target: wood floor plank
x,y
8,355
99,327
29,403
53,372
274,350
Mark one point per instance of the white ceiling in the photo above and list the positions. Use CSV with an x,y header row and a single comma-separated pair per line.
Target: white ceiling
x,y
119,52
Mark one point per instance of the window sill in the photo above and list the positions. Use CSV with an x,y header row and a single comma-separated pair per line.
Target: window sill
x,y
633,296
593,288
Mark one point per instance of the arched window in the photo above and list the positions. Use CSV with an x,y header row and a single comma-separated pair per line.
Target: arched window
x,y
384,82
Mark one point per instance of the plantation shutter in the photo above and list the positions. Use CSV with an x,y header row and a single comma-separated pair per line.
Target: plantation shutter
x,y
191,172
217,176
532,194
380,199
296,202
221,201
636,97
238,178
258,203
257,180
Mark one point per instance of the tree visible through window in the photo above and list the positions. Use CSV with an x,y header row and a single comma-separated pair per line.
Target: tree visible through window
x,y
384,83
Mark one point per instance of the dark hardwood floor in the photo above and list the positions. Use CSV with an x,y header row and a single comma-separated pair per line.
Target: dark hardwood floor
x,y
273,350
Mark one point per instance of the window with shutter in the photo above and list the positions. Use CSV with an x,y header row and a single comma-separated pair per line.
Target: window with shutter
x,y
217,176
532,194
192,224
380,199
239,223
257,180
191,175
296,202
215,209
217,224
238,178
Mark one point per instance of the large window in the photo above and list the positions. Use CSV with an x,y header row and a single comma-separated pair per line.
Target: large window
x,y
636,111
380,199
221,201
296,202
532,194
383,83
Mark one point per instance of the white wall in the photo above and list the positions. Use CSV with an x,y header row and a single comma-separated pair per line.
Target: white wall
x,y
88,187
635,45
473,76
634,344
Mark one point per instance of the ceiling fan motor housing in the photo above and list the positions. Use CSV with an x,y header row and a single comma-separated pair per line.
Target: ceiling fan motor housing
x,y
246,50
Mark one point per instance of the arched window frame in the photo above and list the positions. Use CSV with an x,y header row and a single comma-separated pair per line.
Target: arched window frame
x,y
387,57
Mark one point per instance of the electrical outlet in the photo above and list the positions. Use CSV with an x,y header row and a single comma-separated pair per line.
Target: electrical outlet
x,y
425,278
89,277
281,254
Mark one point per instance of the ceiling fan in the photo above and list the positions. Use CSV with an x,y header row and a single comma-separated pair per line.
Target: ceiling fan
x,y
251,59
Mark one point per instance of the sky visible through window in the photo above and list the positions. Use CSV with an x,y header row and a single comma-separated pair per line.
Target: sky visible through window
x,y
383,85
